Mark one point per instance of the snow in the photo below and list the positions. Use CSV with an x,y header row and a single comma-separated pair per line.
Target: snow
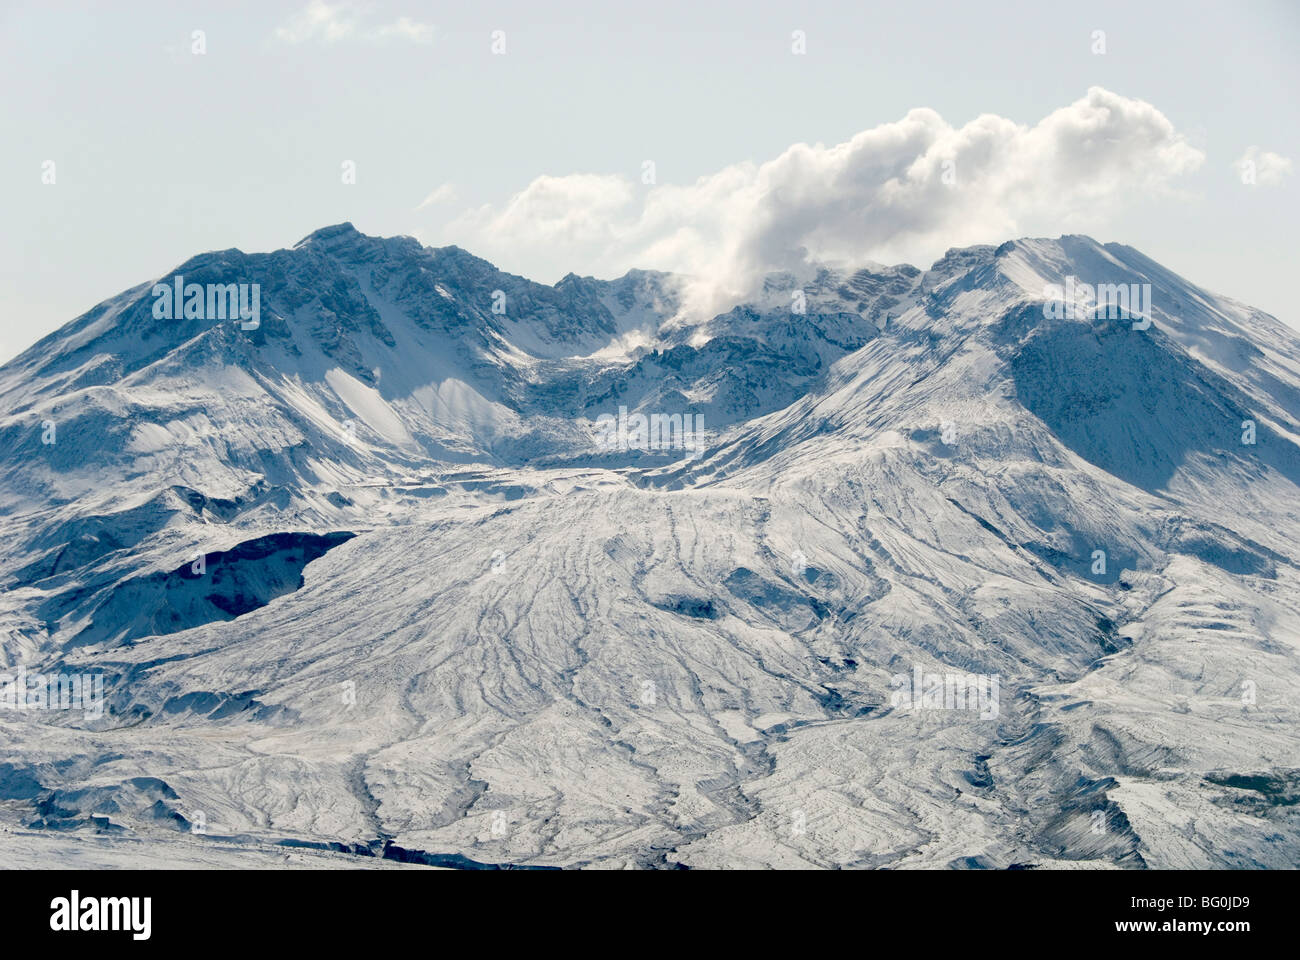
x,y
536,652
367,404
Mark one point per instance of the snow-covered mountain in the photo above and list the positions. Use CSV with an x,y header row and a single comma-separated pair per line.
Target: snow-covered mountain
x,y
371,577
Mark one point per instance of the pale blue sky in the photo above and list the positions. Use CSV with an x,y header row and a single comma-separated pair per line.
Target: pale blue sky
x,y
161,153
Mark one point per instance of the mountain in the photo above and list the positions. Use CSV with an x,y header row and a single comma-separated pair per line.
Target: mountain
x,y
397,571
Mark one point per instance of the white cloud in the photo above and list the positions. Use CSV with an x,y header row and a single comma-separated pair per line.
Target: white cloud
x,y
404,28
579,210
445,193
328,23
1262,167
906,190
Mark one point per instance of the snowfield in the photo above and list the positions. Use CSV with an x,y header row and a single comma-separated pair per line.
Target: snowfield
x,y
366,588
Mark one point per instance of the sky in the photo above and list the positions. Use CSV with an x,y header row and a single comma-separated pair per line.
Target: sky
x,y
719,139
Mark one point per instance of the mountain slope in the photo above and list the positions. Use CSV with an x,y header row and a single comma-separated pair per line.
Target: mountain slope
x,y
462,627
